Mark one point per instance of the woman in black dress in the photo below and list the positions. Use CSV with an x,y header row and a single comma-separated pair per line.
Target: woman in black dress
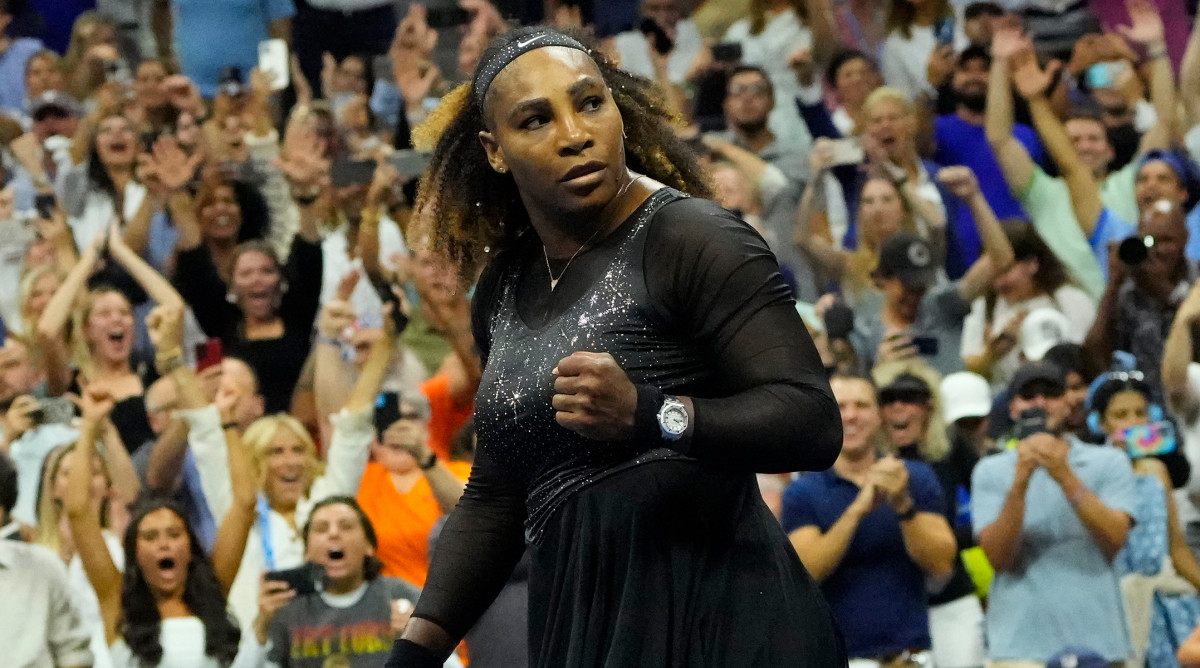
x,y
643,359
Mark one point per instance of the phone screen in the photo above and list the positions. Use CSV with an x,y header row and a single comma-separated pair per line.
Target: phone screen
x,y
446,17
409,163
926,345
352,172
727,52
273,59
209,354
847,151
943,31
302,580
1149,440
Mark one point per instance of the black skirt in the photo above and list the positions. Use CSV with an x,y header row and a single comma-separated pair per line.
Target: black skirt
x,y
673,563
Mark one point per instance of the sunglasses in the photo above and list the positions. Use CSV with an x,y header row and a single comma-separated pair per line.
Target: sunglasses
x,y
887,397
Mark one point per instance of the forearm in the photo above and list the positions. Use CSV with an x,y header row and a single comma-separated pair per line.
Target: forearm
x,y
166,458
82,139
125,482
333,378
374,371
930,542
1100,342
1189,75
996,245
234,530
187,227
998,123
822,552
1162,94
281,29
137,231
1107,527
819,248
447,489
748,163
1001,539
933,213
155,285
1177,355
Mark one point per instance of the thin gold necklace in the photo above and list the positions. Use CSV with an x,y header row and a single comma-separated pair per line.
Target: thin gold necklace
x,y
546,255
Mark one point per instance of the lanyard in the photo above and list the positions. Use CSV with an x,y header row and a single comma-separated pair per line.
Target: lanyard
x,y
264,531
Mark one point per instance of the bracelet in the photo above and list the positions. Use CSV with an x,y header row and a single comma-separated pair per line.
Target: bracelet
x,y
429,463
306,200
908,514
164,355
166,366
229,425
1156,52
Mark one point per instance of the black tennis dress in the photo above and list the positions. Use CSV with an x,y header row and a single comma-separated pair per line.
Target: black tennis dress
x,y
644,555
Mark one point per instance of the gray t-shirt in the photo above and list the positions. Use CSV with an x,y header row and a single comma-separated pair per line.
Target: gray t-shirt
x,y
309,631
940,316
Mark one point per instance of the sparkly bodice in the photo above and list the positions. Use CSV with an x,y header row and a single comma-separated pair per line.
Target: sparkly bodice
x,y
513,414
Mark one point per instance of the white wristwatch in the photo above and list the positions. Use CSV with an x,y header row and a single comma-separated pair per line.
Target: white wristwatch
x,y
672,419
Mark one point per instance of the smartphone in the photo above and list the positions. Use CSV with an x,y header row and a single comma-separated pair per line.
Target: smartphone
x,y
1031,421
45,205
1148,440
409,163
658,37
56,410
384,290
302,580
839,320
727,52
273,60
209,354
943,31
847,151
446,17
352,172
927,346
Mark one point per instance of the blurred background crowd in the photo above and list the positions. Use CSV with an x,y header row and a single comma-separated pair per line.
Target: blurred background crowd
x,y
236,382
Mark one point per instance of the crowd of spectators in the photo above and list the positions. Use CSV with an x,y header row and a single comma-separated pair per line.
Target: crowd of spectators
x,y
236,378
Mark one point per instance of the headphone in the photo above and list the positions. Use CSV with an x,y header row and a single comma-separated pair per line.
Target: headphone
x,y
1131,379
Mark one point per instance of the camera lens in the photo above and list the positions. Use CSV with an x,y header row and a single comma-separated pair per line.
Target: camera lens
x,y
1133,251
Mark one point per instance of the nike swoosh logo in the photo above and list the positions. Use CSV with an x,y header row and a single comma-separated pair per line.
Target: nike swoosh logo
x,y
531,40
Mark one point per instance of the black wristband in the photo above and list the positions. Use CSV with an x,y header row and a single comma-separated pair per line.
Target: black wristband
x,y
408,654
908,514
306,200
429,463
645,418
229,425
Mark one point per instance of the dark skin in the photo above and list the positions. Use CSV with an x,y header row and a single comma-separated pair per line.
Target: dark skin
x,y
1164,267
548,112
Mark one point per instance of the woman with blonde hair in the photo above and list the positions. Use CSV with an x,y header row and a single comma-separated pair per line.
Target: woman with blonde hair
x,y
292,478
92,48
911,406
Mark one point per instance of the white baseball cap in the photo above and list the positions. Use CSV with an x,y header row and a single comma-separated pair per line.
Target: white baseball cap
x,y
1043,329
965,394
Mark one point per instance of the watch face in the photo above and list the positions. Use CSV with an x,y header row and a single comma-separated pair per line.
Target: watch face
x,y
674,420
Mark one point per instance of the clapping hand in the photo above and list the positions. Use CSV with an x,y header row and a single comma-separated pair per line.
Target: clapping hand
x,y
890,477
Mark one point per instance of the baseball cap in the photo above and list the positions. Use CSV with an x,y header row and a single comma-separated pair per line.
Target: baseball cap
x,y
53,99
974,52
1077,657
908,258
1042,329
965,394
1042,372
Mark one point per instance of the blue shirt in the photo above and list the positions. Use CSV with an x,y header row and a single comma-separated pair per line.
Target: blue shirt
x,y
961,143
12,71
876,593
1192,250
213,34
1062,590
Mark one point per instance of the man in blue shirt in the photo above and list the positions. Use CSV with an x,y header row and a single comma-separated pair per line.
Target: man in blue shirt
x,y
14,53
870,530
961,141
1051,513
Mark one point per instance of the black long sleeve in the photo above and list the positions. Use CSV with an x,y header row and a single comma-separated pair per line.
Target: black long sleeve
x,y
200,285
769,407
299,306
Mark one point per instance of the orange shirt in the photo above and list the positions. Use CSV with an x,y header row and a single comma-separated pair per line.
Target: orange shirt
x,y
402,521
445,416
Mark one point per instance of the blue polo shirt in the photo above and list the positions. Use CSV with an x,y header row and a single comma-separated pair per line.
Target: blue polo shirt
x,y
877,593
1062,590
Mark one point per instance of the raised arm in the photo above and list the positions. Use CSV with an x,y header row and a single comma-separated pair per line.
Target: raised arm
x,y
83,515
159,288
1189,76
165,171
51,326
1177,355
1147,30
234,530
1034,83
997,251
819,248
1014,160
333,376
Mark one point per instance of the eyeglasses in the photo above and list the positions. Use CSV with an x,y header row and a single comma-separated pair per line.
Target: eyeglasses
x,y
410,415
753,89
887,397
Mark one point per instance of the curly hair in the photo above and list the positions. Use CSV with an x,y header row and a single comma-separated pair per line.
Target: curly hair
x,y
468,208
202,594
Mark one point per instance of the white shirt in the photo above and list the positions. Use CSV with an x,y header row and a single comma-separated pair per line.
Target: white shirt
x,y
16,235
346,460
335,254
27,454
39,628
98,211
182,640
905,61
1069,300
1187,499
634,49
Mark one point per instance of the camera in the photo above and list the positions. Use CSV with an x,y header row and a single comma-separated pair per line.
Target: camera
x,y
1134,250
